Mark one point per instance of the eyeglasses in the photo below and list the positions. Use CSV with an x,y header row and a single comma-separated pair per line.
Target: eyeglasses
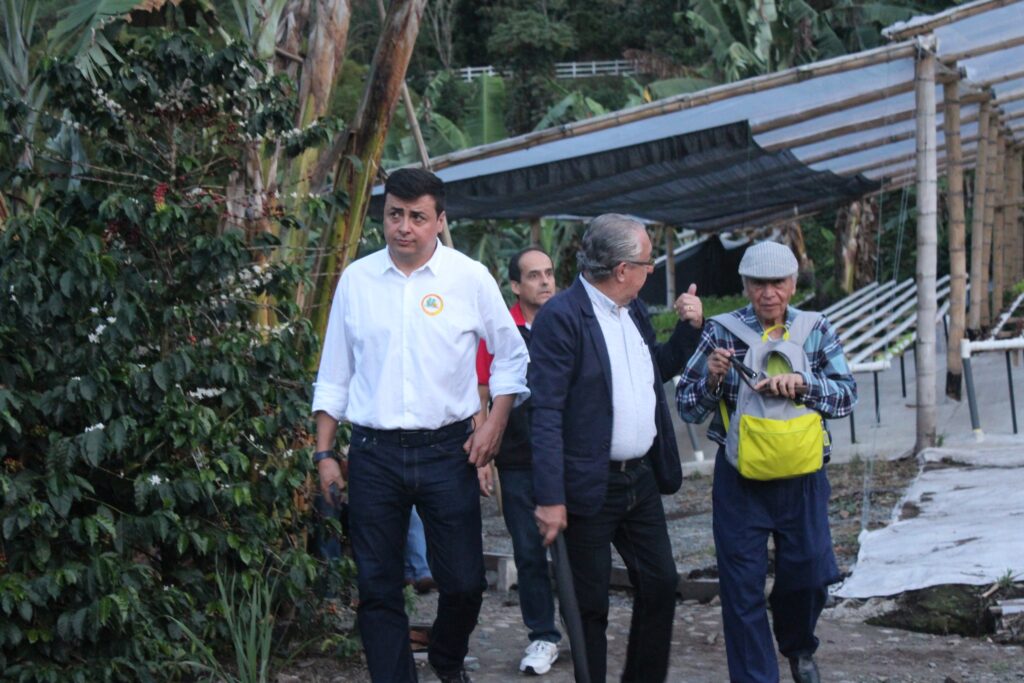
x,y
643,264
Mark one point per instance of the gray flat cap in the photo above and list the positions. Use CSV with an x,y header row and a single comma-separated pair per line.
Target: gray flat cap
x,y
768,261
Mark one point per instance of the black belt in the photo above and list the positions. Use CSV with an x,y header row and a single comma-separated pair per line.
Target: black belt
x,y
413,438
625,465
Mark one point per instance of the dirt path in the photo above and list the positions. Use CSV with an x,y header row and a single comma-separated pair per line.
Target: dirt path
x,y
851,651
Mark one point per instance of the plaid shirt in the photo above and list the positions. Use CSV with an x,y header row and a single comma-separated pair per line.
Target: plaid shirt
x,y
831,389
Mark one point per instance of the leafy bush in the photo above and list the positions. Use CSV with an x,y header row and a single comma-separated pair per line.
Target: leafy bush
x,y
150,428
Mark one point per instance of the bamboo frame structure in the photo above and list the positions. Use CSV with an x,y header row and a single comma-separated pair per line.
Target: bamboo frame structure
x,y
957,244
999,232
880,55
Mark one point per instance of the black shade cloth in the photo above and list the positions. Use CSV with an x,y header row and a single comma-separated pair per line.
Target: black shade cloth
x,y
711,179
709,264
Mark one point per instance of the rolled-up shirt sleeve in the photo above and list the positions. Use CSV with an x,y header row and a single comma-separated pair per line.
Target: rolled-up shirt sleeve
x,y
330,392
508,369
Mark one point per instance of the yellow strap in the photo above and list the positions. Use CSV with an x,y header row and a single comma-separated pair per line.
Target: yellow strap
x,y
725,413
785,332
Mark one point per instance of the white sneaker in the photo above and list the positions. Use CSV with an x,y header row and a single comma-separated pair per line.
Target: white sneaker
x,y
540,655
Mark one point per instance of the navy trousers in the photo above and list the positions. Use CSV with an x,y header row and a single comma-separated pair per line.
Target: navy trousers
x,y
536,599
387,476
632,518
794,512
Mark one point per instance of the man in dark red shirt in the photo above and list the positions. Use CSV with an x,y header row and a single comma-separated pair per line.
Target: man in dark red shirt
x,y
532,278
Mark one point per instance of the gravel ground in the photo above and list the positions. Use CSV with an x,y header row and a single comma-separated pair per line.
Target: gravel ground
x,y
851,650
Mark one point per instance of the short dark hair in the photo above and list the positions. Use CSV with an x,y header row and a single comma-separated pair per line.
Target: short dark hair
x,y
412,183
514,274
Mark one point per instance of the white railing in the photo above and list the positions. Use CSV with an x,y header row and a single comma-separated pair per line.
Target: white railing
x,y
610,67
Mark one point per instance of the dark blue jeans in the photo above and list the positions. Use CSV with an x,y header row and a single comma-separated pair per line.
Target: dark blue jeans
x,y
795,513
386,478
632,518
535,597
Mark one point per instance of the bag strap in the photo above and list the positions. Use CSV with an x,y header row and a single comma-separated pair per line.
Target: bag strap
x,y
738,328
802,326
725,413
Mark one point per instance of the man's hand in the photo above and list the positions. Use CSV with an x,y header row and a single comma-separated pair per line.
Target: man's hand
x,y
788,385
485,475
689,307
718,366
330,473
551,519
483,443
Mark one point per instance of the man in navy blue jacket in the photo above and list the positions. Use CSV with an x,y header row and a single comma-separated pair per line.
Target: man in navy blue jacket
x,y
602,438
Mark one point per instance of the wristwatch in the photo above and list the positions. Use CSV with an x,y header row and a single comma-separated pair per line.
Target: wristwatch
x,y
323,455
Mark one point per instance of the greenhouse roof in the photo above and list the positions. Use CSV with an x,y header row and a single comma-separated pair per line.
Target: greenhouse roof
x,y
750,152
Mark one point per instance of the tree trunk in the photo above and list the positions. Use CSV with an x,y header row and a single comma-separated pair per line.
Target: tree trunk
x,y
866,264
957,247
927,249
848,225
360,160
793,236
978,223
324,58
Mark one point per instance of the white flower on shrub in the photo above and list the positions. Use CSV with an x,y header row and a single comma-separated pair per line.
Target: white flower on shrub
x,y
201,393
155,480
98,425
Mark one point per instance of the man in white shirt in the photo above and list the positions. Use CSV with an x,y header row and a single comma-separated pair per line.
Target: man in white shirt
x,y
602,439
398,363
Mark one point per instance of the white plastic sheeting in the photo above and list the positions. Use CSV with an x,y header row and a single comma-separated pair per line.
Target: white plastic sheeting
x,y
968,528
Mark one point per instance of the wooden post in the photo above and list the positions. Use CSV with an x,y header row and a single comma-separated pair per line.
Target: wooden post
x,y
670,265
957,247
991,196
927,242
978,221
535,231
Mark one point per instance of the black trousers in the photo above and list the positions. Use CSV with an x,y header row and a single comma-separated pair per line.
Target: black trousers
x,y
634,520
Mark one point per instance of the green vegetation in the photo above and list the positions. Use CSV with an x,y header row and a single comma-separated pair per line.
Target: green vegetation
x,y
152,428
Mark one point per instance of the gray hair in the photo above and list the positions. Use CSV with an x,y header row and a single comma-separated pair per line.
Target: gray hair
x,y
610,239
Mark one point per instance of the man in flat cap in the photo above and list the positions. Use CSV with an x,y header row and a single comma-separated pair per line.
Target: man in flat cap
x,y
790,506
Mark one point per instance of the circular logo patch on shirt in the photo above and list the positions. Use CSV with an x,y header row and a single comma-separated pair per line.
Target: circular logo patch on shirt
x,y
432,304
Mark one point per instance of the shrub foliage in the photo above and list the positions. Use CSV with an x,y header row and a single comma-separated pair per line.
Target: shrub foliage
x,y
151,431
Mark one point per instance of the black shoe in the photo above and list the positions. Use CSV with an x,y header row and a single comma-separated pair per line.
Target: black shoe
x,y
457,677
804,669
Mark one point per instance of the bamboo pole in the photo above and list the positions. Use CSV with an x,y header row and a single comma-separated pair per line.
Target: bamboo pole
x,y
1014,198
365,143
991,163
998,232
978,224
927,245
951,57
957,247
535,231
670,265
896,32
882,163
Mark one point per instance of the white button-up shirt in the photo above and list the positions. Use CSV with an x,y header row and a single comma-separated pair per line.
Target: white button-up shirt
x,y
633,399
400,351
